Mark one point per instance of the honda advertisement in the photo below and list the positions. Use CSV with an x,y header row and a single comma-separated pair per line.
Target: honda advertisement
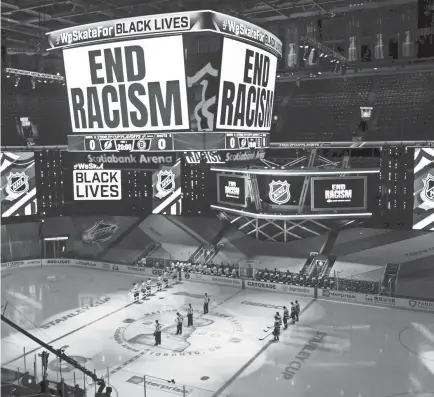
x,y
232,190
128,86
423,207
346,193
18,184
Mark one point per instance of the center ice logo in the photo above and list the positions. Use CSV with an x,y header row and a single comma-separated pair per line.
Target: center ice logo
x,y
208,334
279,192
101,231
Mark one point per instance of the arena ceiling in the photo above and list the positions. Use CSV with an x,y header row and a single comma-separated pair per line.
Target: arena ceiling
x,y
25,22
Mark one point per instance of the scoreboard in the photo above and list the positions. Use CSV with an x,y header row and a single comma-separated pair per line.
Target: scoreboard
x,y
171,142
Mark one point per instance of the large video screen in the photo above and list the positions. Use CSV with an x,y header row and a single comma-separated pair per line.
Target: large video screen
x,y
18,184
124,183
346,193
127,86
423,207
232,190
280,190
247,80
166,184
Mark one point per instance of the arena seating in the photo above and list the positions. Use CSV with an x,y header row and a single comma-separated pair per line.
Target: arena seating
x,y
402,104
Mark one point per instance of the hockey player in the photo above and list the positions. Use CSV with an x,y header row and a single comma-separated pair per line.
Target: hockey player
x,y
190,315
174,275
157,333
136,292
149,287
179,320
293,314
159,283
143,289
166,279
285,317
277,324
297,310
206,303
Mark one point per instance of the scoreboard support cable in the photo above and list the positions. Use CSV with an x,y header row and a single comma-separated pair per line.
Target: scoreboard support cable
x,y
170,142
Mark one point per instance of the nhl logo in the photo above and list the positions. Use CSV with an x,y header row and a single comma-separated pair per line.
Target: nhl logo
x,y
279,192
165,183
18,184
101,231
427,194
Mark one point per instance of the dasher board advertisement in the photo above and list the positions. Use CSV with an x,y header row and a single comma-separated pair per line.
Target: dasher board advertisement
x,y
246,94
129,86
423,206
330,194
165,24
232,190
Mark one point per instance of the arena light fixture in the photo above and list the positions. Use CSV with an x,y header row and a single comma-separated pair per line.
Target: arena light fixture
x,y
296,172
291,216
57,238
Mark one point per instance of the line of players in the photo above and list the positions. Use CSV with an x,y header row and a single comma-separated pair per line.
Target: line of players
x,y
145,287
305,280
294,316
210,269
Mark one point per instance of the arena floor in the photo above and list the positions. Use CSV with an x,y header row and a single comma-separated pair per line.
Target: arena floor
x,y
358,351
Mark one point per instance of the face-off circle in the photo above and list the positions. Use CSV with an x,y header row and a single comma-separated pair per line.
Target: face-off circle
x,y
210,333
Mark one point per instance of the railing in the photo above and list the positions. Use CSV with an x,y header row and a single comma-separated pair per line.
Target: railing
x,y
16,380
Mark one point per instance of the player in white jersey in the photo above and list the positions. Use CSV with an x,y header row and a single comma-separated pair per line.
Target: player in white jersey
x,y
159,283
143,289
136,292
149,287
166,279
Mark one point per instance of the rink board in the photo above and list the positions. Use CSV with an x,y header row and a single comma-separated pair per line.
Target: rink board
x,y
339,296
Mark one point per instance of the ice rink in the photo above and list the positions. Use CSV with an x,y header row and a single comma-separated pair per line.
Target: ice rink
x,y
337,349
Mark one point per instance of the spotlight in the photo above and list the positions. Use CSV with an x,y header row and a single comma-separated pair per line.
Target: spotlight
x,y
17,80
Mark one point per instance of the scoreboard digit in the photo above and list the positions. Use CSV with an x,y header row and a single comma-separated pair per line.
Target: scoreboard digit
x,y
242,141
128,143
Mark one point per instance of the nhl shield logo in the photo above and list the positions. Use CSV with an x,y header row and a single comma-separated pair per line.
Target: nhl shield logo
x,y
279,192
18,184
427,194
101,231
165,183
